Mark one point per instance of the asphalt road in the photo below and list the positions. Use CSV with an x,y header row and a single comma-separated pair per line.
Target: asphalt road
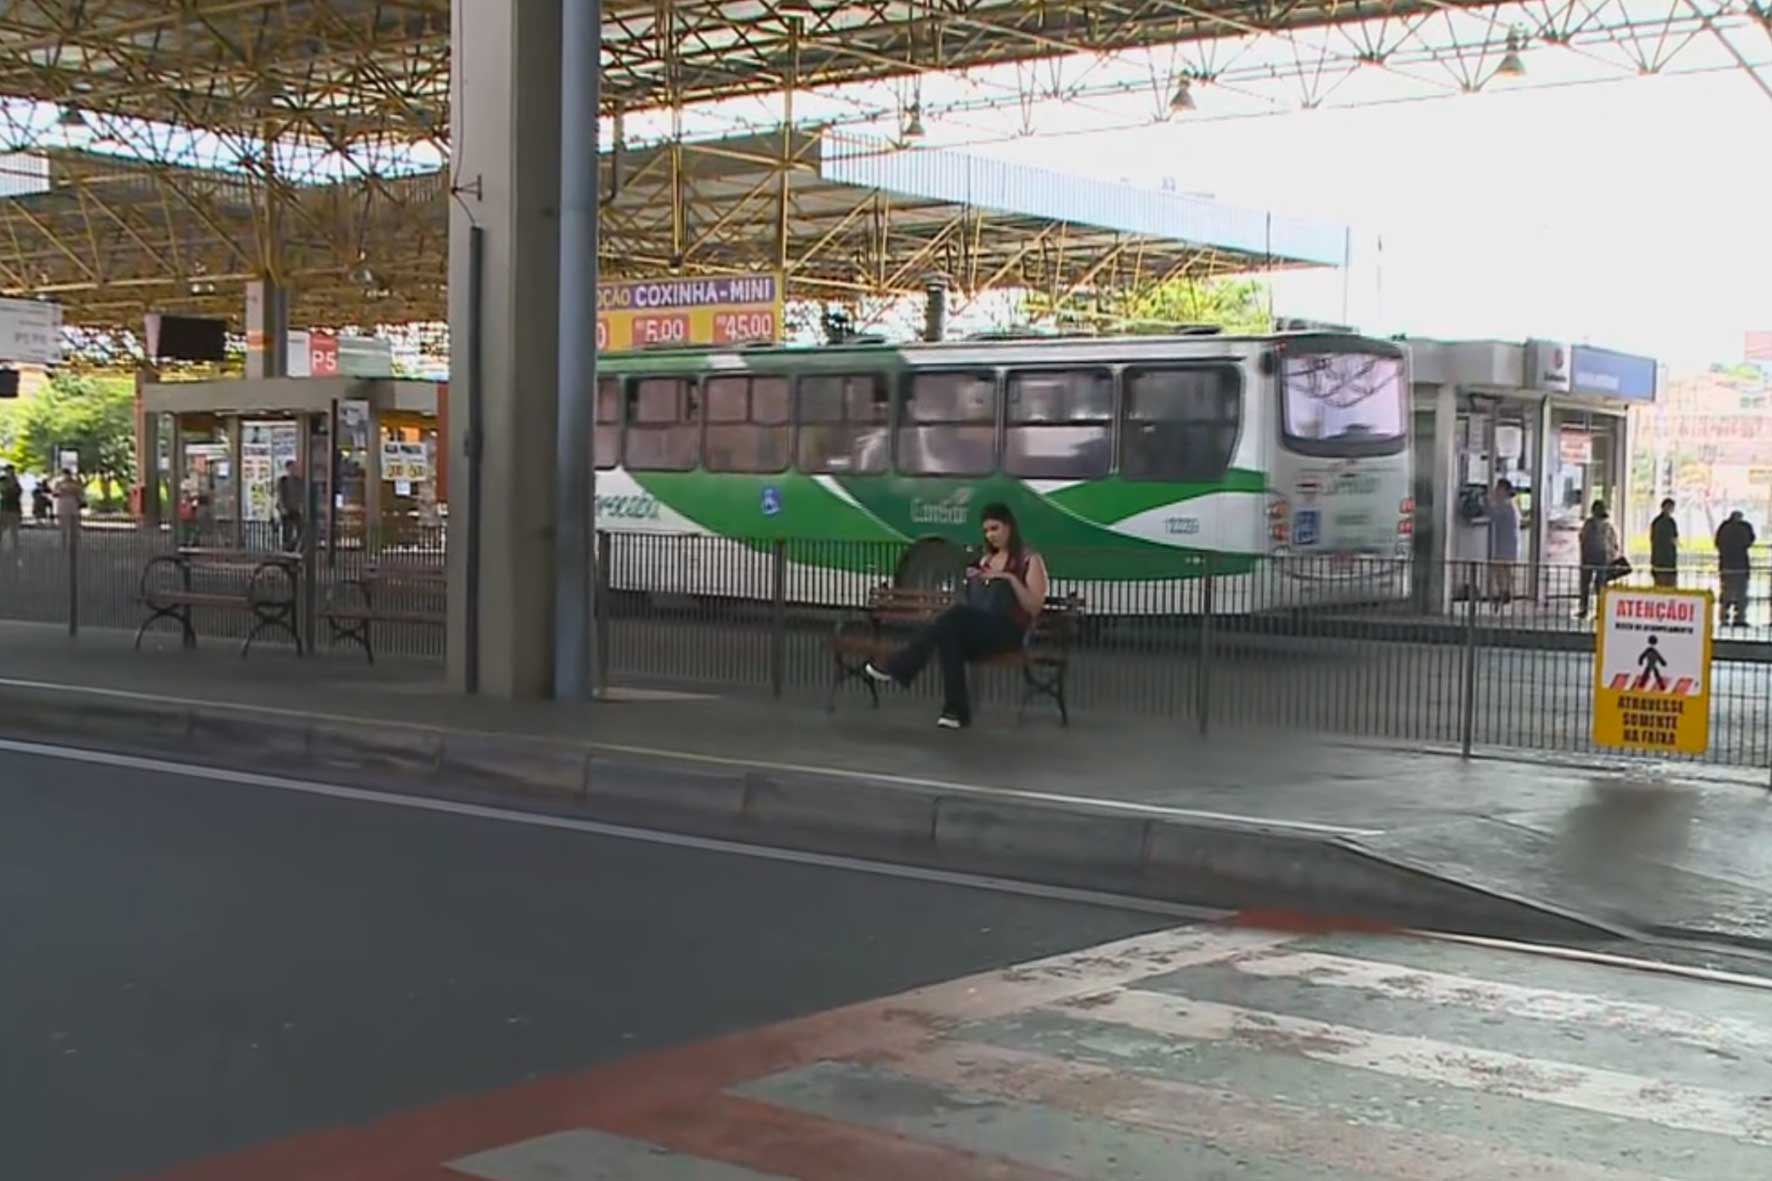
x,y
194,966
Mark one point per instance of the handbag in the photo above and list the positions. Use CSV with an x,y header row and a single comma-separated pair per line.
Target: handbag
x,y
996,597
1617,568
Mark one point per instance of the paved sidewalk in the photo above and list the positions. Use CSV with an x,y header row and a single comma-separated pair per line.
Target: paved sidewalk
x,y
1193,1053
1665,849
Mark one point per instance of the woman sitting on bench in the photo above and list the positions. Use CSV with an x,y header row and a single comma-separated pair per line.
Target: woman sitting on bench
x,y
1003,594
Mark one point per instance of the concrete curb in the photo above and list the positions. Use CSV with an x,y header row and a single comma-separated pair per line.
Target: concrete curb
x,y
1143,852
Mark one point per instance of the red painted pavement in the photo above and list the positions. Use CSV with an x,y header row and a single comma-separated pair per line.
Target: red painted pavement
x,y
675,1098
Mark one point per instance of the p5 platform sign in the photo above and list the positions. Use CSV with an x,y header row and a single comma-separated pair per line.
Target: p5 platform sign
x,y
1652,671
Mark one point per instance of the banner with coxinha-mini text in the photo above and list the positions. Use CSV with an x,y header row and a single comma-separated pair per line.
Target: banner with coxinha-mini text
x,y
687,312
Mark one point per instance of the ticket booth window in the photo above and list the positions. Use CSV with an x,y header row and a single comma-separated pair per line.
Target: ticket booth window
x,y
206,488
266,446
351,494
1584,454
408,488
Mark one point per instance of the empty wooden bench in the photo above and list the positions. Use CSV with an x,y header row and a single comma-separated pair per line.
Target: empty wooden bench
x,y
264,584
358,604
892,612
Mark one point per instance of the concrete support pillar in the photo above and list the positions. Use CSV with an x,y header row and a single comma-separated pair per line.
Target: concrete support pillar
x,y
574,483
236,482
267,329
1445,485
176,478
147,453
504,342
372,506
1540,585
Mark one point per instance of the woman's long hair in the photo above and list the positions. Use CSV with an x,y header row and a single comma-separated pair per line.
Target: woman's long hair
x,y
998,511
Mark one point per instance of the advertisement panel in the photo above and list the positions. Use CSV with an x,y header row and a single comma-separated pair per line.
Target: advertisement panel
x,y
30,332
1652,671
1612,374
682,313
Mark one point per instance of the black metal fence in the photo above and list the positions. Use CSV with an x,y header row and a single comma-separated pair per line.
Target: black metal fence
x,y
1494,657
1465,655
92,576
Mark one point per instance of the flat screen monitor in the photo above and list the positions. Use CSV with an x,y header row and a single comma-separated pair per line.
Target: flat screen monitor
x,y
191,338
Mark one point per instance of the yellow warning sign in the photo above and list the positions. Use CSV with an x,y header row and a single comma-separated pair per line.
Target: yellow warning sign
x,y
1652,670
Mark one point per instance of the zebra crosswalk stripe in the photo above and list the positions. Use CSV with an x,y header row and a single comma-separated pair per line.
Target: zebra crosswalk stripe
x,y
1238,1122
1609,1092
1515,1000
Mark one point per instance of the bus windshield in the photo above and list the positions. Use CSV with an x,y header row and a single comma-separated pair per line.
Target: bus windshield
x,y
1344,404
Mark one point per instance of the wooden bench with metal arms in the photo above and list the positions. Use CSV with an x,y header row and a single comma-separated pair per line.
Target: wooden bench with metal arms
x,y
262,583
352,611
878,630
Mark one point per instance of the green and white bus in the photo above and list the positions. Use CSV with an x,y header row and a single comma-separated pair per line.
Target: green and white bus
x,y
1125,459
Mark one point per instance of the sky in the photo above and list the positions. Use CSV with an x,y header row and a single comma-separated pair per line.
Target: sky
x,y
1631,215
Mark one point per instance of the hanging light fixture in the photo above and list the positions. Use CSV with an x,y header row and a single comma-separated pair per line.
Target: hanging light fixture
x,y
1512,66
913,121
70,118
1182,100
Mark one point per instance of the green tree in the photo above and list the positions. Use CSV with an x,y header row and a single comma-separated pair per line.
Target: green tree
x,y
8,429
93,416
1235,305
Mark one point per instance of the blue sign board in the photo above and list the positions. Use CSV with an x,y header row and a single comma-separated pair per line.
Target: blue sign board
x,y
1304,527
1612,375
771,500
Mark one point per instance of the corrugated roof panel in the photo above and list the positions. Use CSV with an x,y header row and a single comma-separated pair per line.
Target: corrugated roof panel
x,y
937,174
23,174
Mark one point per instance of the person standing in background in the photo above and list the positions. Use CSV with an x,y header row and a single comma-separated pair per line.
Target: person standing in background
x,y
70,498
1664,546
292,496
1735,537
1504,543
1599,555
12,512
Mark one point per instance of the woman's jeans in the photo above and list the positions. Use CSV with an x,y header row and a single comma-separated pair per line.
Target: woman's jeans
x,y
1593,581
958,635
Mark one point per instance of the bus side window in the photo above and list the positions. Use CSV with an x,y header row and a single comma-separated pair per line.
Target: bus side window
x,y
606,439
1180,424
664,425
748,424
1060,424
948,426
842,424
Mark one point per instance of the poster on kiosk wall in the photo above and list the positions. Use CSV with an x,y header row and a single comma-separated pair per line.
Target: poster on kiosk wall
x,y
1652,671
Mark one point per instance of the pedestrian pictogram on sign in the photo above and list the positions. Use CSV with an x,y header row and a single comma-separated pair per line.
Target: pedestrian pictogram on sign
x,y
1652,670
1653,662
